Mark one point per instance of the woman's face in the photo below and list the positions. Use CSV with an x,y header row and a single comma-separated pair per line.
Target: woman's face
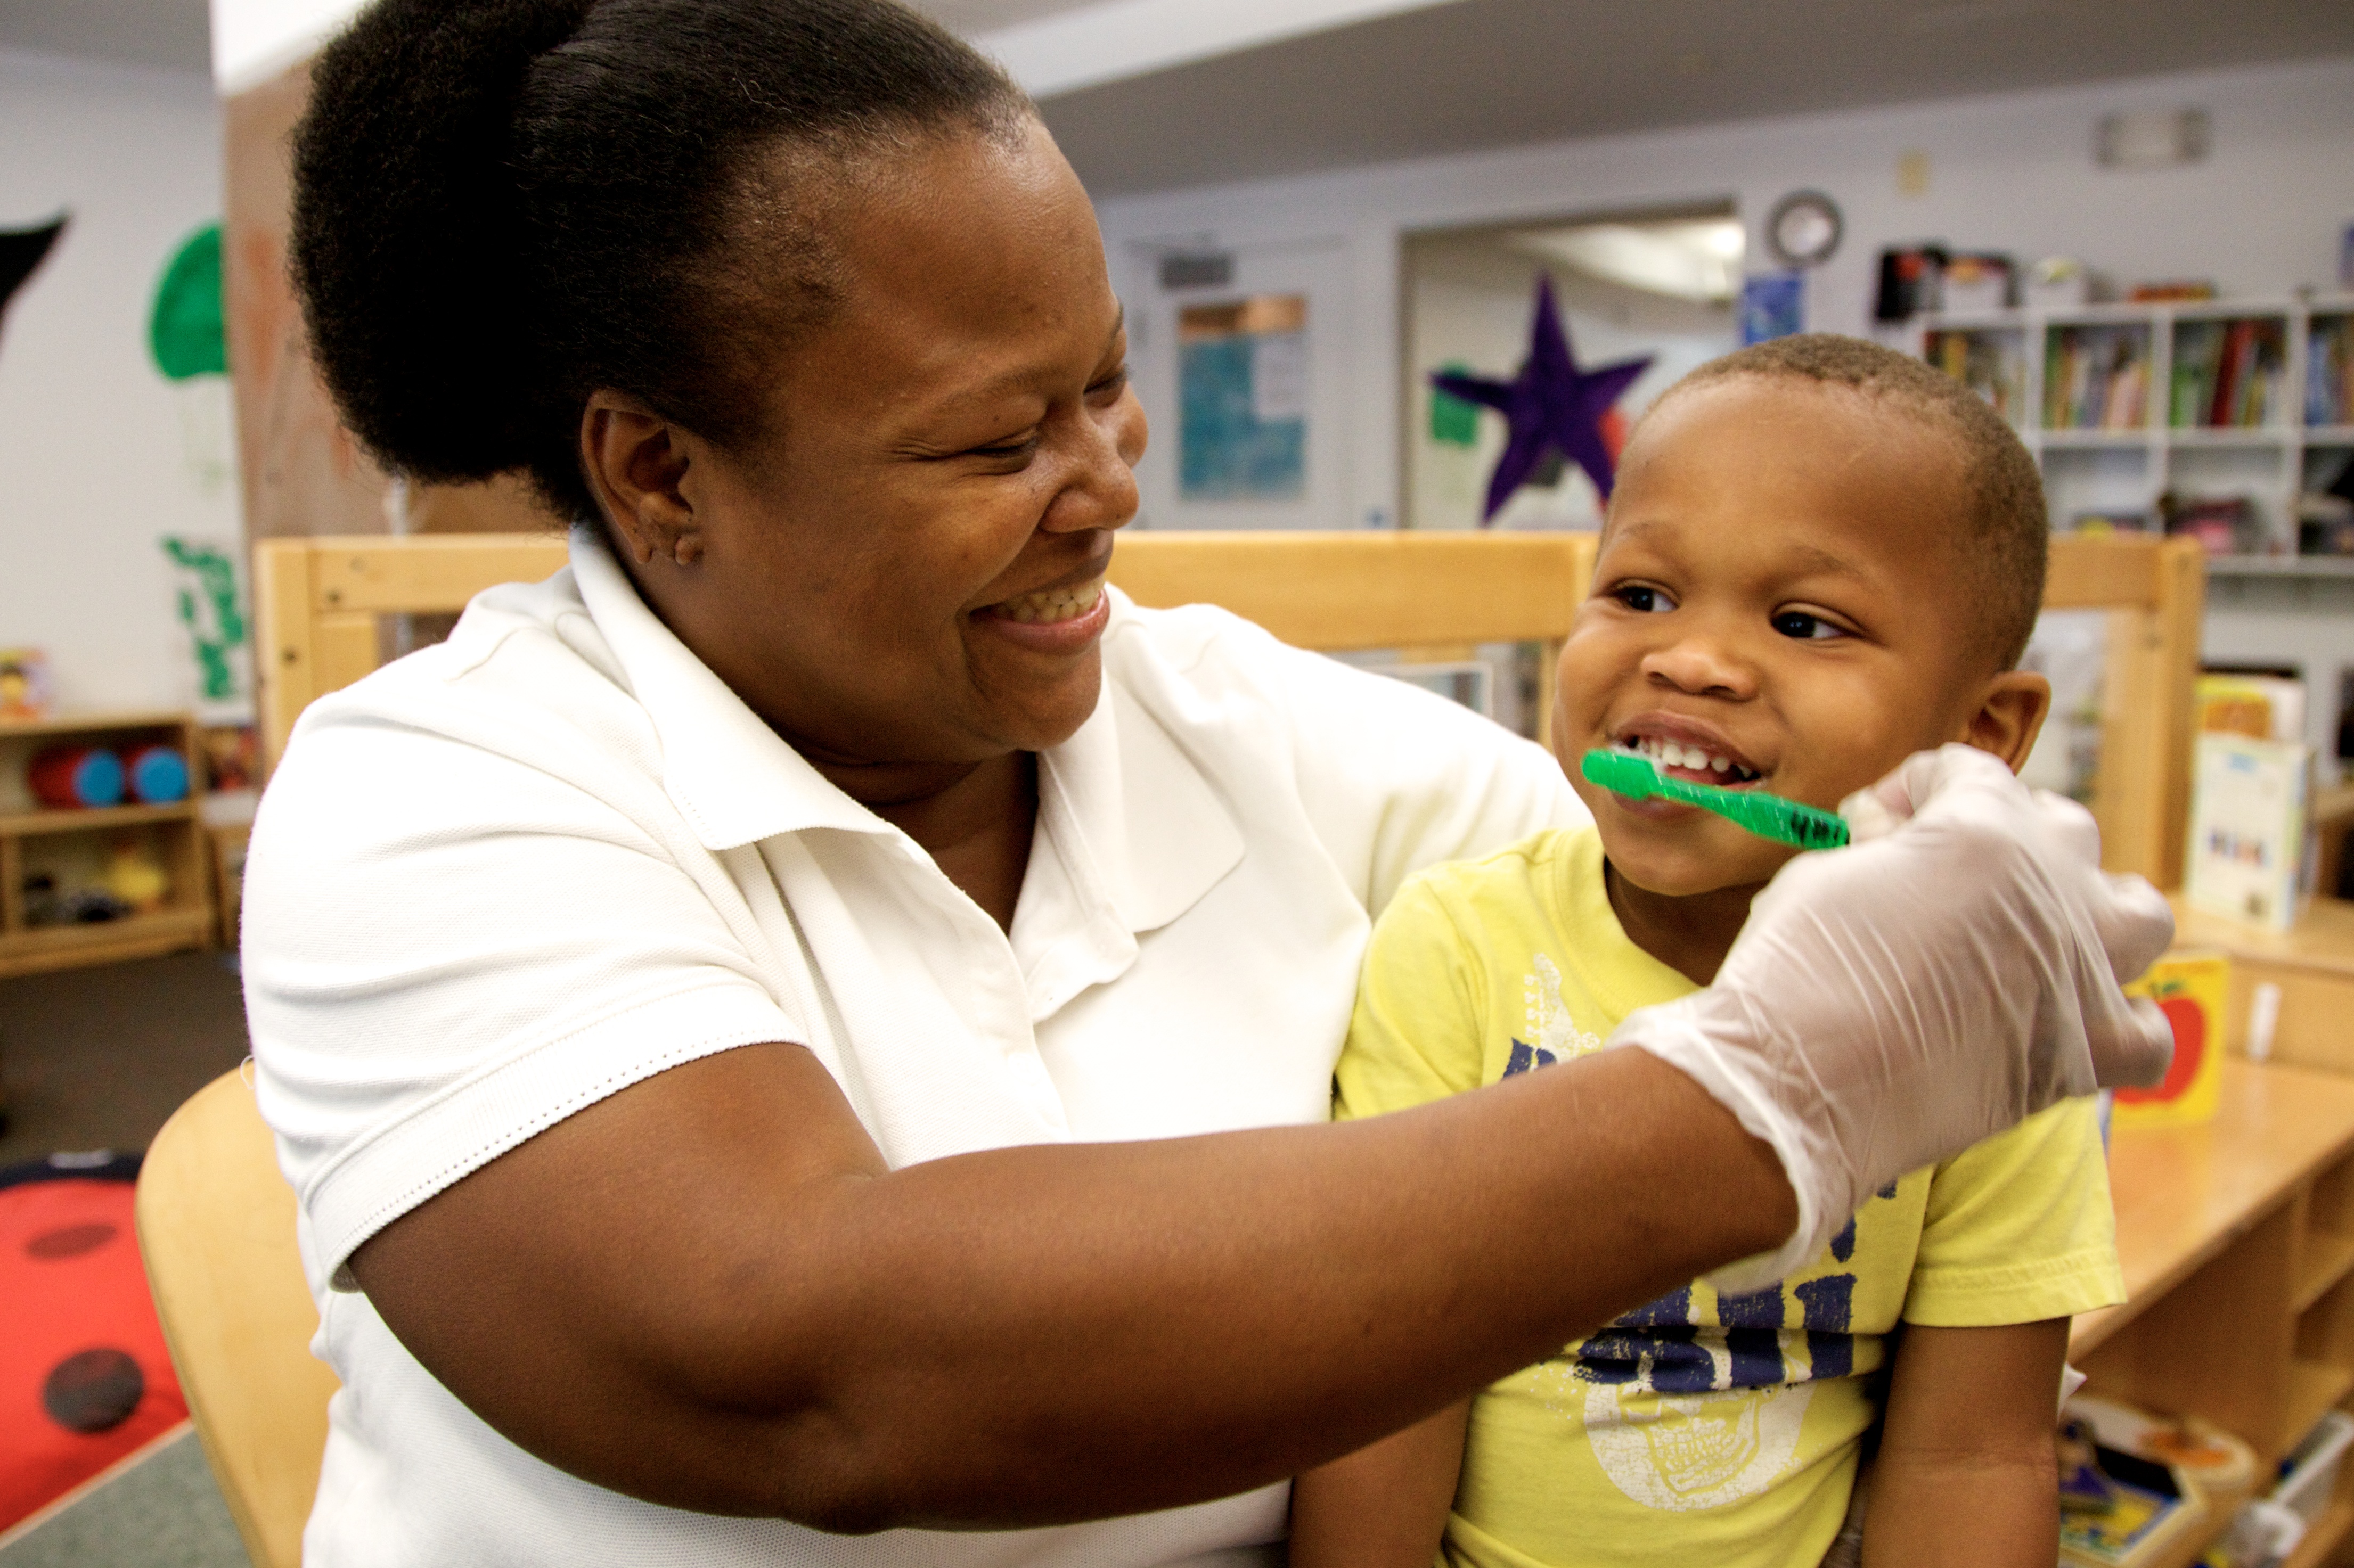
x,y
906,566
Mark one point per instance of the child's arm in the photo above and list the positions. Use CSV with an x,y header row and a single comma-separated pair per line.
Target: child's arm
x,y
1965,1473
1383,1506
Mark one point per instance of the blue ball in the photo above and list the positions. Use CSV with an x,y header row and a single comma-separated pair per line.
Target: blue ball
x,y
98,778
159,776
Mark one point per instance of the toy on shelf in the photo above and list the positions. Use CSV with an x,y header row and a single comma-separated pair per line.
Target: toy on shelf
x,y
158,774
66,777
23,683
136,877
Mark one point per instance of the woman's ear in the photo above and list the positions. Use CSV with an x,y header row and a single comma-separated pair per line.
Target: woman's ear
x,y
636,463
2009,715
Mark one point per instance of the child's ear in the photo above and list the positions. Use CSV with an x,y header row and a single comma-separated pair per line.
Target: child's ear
x,y
2010,715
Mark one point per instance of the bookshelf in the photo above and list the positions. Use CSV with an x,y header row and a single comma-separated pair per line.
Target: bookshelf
x,y
2215,400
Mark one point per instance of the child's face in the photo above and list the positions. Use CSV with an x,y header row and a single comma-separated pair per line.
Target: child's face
x,y
1778,588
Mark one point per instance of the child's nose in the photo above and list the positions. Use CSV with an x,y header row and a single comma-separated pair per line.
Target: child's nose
x,y
1700,666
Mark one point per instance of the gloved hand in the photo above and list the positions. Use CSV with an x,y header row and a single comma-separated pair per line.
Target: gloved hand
x,y
1887,1005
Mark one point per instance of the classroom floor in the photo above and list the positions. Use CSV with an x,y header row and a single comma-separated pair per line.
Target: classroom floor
x,y
98,1058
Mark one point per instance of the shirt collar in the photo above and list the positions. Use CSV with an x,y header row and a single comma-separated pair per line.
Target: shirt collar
x,y
731,776
1156,835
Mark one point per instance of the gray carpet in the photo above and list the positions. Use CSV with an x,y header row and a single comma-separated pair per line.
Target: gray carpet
x,y
162,1512
98,1058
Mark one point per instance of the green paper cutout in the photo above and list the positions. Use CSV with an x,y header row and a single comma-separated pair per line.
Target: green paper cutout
x,y
1453,421
185,332
216,576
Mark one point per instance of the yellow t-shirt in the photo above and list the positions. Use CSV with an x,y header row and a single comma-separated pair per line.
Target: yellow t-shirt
x,y
1700,1428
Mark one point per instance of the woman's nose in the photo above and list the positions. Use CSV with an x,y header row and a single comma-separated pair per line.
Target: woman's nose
x,y
1101,491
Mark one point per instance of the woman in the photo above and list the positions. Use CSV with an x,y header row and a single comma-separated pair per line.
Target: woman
x,y
746,1017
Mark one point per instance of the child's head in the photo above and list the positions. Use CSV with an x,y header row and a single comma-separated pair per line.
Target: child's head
x,y
1821,556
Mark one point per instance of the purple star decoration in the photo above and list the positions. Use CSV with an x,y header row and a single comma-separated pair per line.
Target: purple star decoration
x,y
1550,405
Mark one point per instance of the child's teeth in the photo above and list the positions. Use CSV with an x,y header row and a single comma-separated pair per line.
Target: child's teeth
x,y
1718,764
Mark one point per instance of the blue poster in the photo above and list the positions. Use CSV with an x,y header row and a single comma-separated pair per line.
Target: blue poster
x,y
1242,388
1773,304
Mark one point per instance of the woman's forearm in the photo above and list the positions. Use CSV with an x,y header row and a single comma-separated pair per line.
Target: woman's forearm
x,y
706,1291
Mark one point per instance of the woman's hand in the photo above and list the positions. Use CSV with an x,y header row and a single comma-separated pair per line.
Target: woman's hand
x,y
1889,1004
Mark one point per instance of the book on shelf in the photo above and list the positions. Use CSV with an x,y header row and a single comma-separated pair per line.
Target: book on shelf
x,y
2329,371
1989,364
2227,374
2096,378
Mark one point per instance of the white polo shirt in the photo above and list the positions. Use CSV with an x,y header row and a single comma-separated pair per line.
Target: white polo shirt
x,y
513,873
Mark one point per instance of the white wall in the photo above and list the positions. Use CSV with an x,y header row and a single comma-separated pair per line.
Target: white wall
x,y
99,454
2015,172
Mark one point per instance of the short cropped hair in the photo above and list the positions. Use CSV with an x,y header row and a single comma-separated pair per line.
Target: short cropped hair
x,y
2008,541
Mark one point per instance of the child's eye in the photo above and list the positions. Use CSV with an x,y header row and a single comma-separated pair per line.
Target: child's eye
x,y
1798,623
1644,600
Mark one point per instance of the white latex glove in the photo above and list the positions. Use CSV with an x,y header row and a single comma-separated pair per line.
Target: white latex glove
x,y
1887,1005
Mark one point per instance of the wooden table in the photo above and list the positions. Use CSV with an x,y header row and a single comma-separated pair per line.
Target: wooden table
x,y
2237,1241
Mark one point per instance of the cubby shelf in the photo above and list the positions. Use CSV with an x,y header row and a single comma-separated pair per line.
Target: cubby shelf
x,y
29,834
2105,455
2327,1259
29,824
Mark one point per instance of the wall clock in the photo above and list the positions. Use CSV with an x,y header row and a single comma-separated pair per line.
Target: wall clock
x,y
1804,228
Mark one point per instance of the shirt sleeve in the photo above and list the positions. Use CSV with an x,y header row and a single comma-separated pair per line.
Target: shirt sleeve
x,y
1417,1033
2019,1228
1396,777
447,950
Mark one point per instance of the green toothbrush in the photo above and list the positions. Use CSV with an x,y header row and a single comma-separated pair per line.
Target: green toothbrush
x,y
1767,816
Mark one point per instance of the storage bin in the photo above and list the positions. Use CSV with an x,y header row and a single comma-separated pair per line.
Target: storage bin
x,y
2312,1473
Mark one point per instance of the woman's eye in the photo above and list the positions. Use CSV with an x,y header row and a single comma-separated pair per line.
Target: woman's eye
x,y
1798,623
1004,450
1645,600
1111,386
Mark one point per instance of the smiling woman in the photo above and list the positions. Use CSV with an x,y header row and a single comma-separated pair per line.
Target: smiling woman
x,y
746,1019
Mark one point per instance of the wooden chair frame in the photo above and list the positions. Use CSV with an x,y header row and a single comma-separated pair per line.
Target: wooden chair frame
x,y
320,598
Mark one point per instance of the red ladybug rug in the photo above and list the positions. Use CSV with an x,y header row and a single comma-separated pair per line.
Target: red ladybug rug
x,y
84,1378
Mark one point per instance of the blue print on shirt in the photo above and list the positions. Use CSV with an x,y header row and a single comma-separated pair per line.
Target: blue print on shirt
x,y
1829,1303
1525,1057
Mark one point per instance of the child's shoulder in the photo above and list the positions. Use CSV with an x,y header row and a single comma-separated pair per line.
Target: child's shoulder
x,y
1536,865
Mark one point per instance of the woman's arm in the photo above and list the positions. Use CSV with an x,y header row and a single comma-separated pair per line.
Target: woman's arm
x,y
1970,1416
708,1291
1384,1506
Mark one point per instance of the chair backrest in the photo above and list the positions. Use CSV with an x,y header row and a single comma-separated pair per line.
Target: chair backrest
x,y
320,600
216,1228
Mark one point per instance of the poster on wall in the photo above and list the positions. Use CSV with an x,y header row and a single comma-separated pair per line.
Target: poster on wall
x,y
1242,392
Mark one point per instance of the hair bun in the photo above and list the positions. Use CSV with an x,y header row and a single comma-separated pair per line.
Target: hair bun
x,y
405,235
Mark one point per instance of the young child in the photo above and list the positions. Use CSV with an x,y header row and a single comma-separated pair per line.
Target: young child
x,y
1821,557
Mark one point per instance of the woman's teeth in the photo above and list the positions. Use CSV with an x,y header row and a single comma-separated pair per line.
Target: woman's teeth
x,y
1052,604
1674,754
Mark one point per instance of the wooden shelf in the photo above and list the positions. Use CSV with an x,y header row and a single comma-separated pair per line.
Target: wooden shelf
x,y
2327,1259
25,824
2314,1390
2327,1535
93,723
2185,1194
106,941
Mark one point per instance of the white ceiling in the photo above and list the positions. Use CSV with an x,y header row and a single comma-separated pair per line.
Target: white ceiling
x,y
1436,78
1490,73
172,33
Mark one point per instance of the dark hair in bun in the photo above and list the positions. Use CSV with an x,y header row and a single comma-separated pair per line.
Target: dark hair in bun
x,y
502,205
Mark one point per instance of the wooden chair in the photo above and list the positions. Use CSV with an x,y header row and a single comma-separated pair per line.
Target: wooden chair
x,y
216,1228
320,600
